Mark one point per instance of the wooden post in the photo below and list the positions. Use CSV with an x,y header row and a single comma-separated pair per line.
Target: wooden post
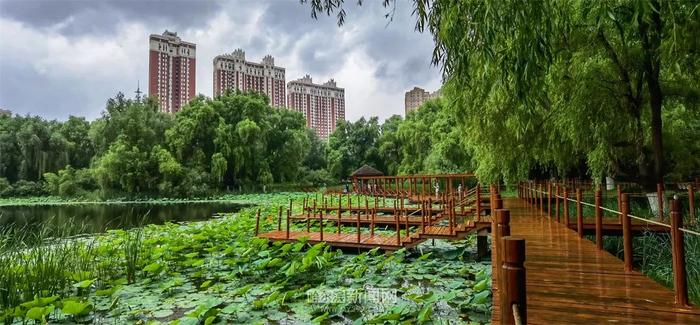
x,y
691,203
366,208
660,198
450,215
598,219
257,222
527,193
398,231
320,220
619,200
371,227
566,206
406,223
557,204
279,218
430,211
478,202
422,214
626,232
549,199
513,292
498,202
579,212
680,283
502,229
289,218
540,187
340,212
461,198
359,234
308,217
303,206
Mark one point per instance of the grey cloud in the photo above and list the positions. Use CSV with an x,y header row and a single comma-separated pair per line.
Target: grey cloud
x,y
102,16
398,57
42,96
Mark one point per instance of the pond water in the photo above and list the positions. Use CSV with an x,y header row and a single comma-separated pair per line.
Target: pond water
x,y
98,217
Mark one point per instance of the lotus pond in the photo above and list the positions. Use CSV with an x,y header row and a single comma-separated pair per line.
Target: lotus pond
x,y
216,272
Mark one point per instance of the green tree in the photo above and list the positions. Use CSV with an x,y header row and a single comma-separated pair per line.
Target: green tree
x,y
545,86
352,145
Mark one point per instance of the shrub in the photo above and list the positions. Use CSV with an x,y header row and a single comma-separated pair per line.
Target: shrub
x,y
27,188
5,187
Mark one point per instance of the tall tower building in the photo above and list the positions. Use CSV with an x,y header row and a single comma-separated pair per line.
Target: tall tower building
x,y
416,97
232,71
322,105
171,71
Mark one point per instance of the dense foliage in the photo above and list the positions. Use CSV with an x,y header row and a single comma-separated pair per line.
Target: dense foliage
x,y
233,141
568,88
425,142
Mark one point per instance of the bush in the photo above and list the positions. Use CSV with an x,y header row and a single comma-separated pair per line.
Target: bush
x,y
316,177
27,188
194,184
5,187
70,182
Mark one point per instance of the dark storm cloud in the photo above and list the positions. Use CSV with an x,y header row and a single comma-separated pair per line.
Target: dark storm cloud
x,y
39,98
374,59
100,16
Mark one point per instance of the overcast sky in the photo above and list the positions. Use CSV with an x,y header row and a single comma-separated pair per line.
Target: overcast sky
x,y
67,57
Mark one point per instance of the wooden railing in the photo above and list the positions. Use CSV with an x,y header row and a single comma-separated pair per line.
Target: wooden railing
x,y
509,271
545,195
448,206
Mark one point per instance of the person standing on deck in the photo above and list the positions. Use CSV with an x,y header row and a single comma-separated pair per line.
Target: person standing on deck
x,y
437,191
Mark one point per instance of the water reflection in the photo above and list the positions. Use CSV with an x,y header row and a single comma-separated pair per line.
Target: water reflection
x,y
100,217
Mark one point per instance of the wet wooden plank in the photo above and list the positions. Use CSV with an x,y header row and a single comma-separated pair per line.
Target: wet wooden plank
x,y
340,240
569,281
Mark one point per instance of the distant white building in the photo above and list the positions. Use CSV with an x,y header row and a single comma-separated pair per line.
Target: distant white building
x,y
171,70
323,105
416,97
5,112
232,71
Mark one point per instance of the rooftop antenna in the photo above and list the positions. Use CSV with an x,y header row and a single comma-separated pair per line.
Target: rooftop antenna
x,y
138,90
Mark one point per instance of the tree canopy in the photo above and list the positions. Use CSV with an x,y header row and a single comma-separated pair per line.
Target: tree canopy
x,y
233,141
561,88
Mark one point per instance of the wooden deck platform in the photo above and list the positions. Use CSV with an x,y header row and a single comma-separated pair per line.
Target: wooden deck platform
x,y
366,241
569,281
380,209
365,219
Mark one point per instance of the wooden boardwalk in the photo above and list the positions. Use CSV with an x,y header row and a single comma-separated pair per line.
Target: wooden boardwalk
x,y
366,241
569,281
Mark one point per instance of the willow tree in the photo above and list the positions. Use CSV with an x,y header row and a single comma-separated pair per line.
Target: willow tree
x,y
548,84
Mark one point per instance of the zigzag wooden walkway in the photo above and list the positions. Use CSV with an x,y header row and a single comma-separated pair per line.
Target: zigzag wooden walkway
x,y
570,281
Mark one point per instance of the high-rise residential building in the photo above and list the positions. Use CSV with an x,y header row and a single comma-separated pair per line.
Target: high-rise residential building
x,y
232,71
416,97
322,105
171,71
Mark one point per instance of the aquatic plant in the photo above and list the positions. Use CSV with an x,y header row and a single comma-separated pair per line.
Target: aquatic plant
x,y
215,271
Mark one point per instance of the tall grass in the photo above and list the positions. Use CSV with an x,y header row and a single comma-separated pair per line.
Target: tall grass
x,y
50,261
653,257
41,264
132,250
